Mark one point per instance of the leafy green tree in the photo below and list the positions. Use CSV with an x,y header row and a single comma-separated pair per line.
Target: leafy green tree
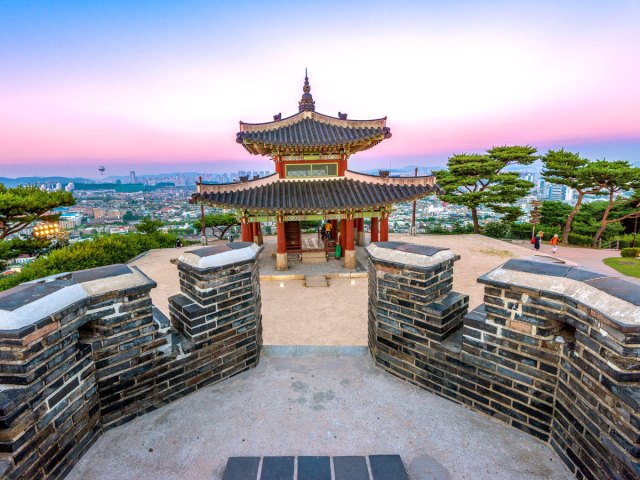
x,y
554,213
570,169
27,245
20,206
5,254
105,250
219,223
473,180
129,216
149,225
614,177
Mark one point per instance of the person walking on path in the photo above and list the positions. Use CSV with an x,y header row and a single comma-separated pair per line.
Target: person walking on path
x,y
554,243
536,244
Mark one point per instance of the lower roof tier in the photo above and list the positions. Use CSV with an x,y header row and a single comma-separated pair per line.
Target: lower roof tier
x,y
314,196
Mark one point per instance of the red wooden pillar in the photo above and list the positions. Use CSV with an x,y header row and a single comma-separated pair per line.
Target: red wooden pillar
x,y
281,249
349,237
360,240
334,229
343,232
374,229
255,232
349,244
245,228
384,228
282,242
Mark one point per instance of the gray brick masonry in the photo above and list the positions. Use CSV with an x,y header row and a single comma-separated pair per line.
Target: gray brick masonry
x,y
554,350
82,352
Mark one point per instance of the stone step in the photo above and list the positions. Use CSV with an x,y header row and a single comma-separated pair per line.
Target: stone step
x,y
315,281
317,256
373,467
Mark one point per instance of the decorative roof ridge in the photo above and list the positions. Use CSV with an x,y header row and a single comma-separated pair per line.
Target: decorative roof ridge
x,y
391,176
319,117
312,179
274,174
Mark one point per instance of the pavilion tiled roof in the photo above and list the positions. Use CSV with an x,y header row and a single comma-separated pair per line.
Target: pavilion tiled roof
x,y
309,130
314,195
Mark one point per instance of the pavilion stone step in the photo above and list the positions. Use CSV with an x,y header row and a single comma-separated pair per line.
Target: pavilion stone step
x,y
315,281
373,467
314,257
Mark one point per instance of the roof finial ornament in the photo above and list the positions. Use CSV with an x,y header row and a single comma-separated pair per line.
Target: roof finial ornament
x,y
306,103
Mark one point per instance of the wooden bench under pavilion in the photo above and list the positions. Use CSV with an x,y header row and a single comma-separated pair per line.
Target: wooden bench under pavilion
x,y
312,182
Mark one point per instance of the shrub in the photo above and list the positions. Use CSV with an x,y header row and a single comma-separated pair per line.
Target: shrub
x,y
582,240
102,251
497,230
521,230
630,252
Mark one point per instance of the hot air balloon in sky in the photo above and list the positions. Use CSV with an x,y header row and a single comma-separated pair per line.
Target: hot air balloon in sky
x,y
101,169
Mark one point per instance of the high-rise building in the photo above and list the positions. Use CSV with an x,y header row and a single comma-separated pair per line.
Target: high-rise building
x,y
557,192
132,177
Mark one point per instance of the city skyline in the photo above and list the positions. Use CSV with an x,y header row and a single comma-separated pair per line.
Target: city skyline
x,y
160,87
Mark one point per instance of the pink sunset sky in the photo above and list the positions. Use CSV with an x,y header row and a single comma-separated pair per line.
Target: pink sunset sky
x,y
160,86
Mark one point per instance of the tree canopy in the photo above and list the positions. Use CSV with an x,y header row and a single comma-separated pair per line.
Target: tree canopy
x,y
219,223
554,213
570,169
473,180
149,226
613,178
20,206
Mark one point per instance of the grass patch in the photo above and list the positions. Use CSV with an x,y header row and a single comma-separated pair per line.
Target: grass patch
x,y
496,252
626,266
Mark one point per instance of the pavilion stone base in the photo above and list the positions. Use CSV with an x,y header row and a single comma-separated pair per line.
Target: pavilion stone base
x,y
350,260
553,351
361,239
84,352
281,262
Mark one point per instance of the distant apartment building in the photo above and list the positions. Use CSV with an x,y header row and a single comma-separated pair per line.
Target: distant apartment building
x,y
83,210
69,220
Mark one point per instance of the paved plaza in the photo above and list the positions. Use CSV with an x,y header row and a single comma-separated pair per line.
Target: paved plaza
x,y
337,315
301,403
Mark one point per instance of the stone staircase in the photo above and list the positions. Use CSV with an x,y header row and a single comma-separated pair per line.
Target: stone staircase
x,y
373,467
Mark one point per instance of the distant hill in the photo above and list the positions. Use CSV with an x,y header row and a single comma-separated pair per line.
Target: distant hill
x,y
14,182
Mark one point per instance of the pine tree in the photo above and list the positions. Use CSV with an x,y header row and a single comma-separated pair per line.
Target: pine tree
x,y
473,180
570,169
21,206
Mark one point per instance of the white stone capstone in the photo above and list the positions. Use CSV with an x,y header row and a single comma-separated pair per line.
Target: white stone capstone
x,y
618,309
220,259
408,258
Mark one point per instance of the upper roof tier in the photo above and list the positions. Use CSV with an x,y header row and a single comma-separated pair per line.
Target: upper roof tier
x,y
310,132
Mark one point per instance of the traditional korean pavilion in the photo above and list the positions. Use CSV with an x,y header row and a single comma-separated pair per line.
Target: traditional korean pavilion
x,y
312,181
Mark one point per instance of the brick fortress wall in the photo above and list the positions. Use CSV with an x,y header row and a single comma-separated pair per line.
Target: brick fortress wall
x,y
553,351
84,352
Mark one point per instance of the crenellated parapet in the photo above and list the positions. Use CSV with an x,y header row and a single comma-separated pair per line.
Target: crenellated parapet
x,y
553,351
87,351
